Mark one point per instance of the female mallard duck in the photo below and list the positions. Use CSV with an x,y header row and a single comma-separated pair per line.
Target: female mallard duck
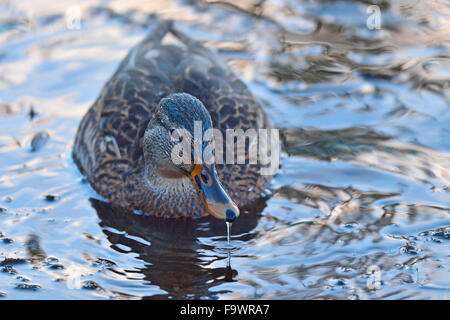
x,y
123,144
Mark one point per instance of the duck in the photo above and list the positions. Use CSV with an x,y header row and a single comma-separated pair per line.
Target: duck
x,y
124,143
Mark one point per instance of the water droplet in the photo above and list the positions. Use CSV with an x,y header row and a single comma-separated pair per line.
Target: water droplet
x,y
228,231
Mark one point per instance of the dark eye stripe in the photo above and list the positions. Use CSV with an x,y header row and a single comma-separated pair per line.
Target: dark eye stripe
x,y
205,178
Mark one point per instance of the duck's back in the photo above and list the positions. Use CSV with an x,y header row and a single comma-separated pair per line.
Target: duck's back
x,y
108,145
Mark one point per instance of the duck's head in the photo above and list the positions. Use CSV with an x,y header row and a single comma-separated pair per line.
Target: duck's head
x,y
174,120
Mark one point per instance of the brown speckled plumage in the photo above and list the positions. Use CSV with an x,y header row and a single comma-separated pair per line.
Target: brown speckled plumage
x,y
108,145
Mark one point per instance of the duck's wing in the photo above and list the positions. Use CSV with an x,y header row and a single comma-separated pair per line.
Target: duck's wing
x,y
108,144
113,127
188,66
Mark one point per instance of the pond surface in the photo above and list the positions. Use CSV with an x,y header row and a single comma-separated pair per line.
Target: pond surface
x,y
359,209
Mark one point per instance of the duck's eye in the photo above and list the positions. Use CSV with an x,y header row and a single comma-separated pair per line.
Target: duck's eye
x,y
205,178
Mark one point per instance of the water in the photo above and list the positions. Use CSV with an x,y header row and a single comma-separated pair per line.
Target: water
x,y
359,209
228,224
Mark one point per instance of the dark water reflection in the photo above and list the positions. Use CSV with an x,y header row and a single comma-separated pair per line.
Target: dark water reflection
x,y
174,259
359,209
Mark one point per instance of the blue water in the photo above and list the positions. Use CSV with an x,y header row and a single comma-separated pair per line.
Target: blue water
x,y
359,209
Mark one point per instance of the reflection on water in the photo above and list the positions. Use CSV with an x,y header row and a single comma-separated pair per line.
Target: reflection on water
x,y
174,259
359,209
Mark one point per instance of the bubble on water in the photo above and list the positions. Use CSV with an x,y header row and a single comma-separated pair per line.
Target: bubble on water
x,y
90,285
8,199
23,278
39,140
8,269
27,286
337,282
56,266
51,197
410,248
50,260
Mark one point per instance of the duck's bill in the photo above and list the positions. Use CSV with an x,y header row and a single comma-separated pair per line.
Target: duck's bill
x,y
214,197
